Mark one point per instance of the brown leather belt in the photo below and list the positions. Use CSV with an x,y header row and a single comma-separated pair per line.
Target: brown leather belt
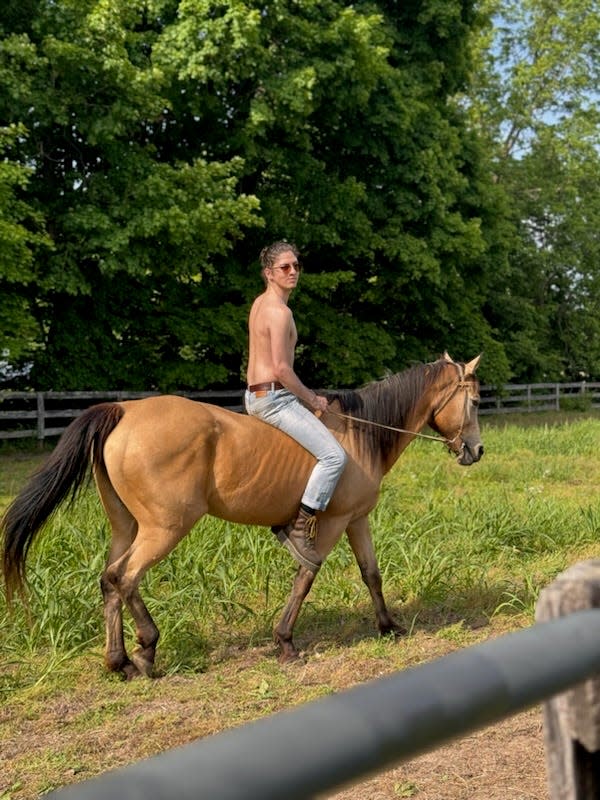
x,y
261,389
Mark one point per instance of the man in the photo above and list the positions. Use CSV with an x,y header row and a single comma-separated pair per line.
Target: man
x,y
276,395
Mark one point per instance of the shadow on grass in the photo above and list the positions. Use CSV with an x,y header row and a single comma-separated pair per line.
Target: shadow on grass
x,y
338,626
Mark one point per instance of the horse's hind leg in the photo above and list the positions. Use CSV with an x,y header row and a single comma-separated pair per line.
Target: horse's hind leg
x,y
115,655
124,529
149,547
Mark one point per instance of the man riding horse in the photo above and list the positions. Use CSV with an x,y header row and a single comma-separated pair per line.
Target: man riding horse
x,y
276,395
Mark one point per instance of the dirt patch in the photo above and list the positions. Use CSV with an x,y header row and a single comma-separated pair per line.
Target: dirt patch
x,y
502,762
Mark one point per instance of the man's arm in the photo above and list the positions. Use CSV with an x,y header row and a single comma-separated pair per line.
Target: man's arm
x,y
281,331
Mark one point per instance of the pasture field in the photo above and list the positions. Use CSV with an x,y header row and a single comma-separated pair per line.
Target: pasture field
x,y
463,553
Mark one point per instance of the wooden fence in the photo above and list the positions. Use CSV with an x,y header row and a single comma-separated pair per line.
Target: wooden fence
x,y
533,397
40,415
26,415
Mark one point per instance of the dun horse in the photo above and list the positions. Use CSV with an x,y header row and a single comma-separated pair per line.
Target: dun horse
x,y
163,462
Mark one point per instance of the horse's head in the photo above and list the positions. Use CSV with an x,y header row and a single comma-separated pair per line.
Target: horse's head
x,y
454,416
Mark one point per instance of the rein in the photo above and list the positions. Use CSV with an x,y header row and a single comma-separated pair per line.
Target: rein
x,y
391,427
461,384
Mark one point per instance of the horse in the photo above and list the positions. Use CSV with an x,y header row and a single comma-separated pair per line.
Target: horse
x,y
163,462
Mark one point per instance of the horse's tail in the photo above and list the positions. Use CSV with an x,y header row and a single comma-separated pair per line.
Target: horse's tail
x,y
63,473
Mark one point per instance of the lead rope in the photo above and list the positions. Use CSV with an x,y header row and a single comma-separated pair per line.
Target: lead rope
x,y
391,428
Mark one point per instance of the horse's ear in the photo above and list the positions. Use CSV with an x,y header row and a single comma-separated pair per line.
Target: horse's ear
x,y
471,367
447,358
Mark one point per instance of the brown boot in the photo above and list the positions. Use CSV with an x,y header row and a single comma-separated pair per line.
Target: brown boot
x,y
299,538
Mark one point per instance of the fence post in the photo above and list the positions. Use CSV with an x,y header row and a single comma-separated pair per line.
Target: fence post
x,y
41,417
572,719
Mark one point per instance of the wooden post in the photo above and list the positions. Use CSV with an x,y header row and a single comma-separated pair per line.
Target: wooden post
x,y
572,719
41,418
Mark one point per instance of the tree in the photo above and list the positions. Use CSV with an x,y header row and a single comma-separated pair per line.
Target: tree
x,y
343,119
22,238
536,101
131,225
169,141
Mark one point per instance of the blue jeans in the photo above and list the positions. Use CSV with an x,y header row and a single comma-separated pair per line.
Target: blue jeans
x,y
283,410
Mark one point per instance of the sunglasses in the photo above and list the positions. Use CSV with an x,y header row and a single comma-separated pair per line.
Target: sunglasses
x,y
286,268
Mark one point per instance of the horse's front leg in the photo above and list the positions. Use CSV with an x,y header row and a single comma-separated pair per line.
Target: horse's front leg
x,y
359,536
284,629
330,530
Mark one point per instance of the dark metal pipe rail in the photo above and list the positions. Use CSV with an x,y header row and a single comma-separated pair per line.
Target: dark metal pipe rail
x,y
347,737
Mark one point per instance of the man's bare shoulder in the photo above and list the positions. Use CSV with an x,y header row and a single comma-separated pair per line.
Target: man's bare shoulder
x,y
271,309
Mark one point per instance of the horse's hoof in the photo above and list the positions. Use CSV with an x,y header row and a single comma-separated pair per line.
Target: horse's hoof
x,y
288,655
144,667
130,671
116,661
395,630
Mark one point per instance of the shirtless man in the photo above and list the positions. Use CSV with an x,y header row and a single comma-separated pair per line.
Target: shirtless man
x,y
276,395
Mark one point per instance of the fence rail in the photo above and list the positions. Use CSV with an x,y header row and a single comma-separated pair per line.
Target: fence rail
x,y
39,415
26,415
533,397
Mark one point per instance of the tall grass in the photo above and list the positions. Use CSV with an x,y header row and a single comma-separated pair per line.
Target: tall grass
x,y
452,543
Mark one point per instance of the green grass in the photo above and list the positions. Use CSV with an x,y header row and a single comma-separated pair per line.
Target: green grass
x,y
452,543
463,553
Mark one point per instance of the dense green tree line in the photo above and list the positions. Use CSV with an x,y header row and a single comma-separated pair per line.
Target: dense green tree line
x,y
150,148
535,98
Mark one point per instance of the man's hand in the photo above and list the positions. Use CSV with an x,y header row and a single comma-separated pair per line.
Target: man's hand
x,y
319,403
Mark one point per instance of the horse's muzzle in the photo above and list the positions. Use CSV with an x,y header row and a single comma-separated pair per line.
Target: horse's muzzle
x,y
469,454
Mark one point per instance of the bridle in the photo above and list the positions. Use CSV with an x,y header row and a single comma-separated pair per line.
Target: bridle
x,y
461,383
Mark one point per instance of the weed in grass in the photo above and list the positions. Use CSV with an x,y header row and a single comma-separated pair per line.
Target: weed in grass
x,y
405,789
380,646
453,633
512,603
8,794
589,521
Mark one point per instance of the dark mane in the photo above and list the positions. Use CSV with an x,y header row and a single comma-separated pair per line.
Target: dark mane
x,y
386,402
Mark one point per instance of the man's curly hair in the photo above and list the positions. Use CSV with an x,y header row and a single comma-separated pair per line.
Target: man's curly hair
x,y
269,254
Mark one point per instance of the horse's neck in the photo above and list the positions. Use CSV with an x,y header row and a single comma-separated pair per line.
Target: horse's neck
x,y
417,417
382,440
413,424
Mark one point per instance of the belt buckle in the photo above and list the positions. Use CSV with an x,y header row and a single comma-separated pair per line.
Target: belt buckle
x,y
261,393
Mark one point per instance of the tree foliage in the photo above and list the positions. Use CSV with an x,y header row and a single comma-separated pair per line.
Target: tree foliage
x,y
536,99
135,224
152,147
